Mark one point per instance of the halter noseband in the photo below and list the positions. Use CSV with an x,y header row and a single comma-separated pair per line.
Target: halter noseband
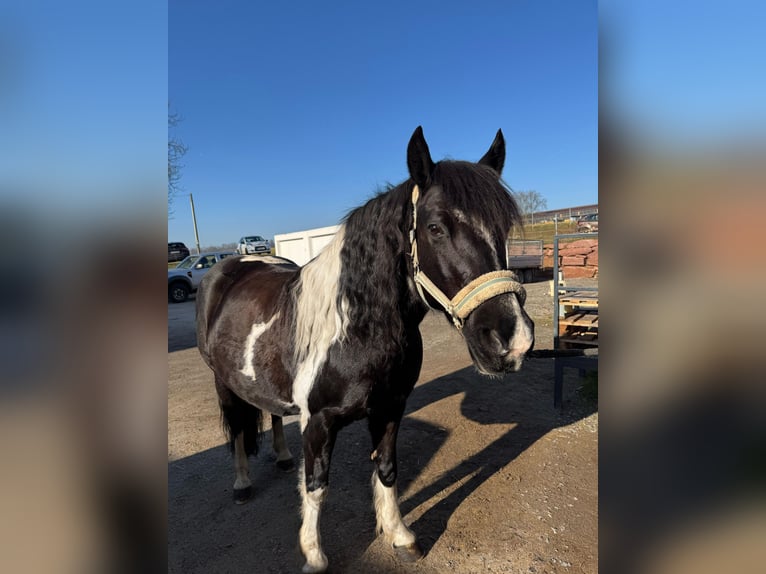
x,y
481,289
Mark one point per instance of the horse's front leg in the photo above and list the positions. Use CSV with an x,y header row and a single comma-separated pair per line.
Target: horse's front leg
x,y
388,516
318,440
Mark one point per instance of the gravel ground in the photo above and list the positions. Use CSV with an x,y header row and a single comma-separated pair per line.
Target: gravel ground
x,y
492,477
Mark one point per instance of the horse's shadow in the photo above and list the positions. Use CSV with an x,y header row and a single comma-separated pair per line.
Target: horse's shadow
x,y
208,533
523,400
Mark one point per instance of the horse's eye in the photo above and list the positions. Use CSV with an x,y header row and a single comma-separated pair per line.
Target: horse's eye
x,y
435,230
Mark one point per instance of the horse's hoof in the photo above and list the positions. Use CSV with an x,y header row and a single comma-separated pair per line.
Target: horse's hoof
x,y
287,465
409,553
319,568
242,495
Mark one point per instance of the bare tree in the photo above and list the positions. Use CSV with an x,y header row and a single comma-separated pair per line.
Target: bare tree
x,y
176,151
529,202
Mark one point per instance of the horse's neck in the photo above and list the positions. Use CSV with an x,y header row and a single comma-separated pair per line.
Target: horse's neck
x,y
361,275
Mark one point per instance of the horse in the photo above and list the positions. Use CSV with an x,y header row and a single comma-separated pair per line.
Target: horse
x,y
338,339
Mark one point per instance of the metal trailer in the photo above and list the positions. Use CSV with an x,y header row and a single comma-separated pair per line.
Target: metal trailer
x,y
302,246
525,257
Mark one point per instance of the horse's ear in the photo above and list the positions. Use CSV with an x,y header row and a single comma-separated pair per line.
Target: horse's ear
x,y
419,160
495,156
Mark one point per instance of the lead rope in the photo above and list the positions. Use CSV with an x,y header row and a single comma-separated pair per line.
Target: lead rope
x,y
469,297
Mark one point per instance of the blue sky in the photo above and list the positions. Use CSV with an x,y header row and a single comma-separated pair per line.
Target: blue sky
x,y
295,113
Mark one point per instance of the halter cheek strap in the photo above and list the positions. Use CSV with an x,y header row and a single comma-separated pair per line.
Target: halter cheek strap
x,y
469,297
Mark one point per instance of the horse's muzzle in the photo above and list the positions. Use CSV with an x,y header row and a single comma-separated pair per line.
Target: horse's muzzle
x,y
499,334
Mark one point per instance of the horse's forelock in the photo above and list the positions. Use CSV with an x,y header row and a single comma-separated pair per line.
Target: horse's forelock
x,y
477,191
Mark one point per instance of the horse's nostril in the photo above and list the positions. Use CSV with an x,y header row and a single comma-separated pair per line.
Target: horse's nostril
x,y
500,343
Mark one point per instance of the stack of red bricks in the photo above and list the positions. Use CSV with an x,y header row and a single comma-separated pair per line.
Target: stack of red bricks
x,y
576,259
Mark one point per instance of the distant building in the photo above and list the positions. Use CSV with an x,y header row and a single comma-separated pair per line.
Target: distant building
x,y
564,214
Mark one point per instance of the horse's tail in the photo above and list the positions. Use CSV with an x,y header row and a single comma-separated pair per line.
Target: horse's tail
x,y
238,416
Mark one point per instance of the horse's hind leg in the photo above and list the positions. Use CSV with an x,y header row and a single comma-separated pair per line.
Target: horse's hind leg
x,y
242,423
243,488
284,456
387,514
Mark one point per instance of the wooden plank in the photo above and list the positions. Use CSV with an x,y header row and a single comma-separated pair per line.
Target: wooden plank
x,y
575,319
580,340
572,317
587,319
569,305
577,299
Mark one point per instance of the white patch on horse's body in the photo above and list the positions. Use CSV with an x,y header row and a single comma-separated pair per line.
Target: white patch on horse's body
x,y
263,259
319,321
387,514
256,331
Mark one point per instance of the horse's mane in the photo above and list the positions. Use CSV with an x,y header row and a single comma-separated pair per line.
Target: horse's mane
x,y
374,266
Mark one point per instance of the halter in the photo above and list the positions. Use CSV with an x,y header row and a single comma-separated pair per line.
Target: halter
x,y
481,289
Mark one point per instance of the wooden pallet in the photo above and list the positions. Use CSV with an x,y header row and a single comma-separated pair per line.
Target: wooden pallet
x,y
579,325
580,319
579,299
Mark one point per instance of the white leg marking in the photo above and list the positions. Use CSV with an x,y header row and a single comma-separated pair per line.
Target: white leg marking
x,y
256,331
240,463
280,444
310,541
387,514
319,321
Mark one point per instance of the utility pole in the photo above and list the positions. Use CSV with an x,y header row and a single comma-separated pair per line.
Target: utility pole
x,y
194,219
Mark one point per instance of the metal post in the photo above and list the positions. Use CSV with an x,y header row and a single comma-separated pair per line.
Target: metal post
x,y
556,295
194,219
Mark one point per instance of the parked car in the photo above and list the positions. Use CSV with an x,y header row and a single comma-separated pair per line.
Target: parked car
x,y
185,277
588,223
253,244
177,251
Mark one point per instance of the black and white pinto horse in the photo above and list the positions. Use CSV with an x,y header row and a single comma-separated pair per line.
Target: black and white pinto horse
x,y
338,340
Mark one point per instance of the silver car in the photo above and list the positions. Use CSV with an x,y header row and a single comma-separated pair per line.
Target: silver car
x,y
253,244
185,277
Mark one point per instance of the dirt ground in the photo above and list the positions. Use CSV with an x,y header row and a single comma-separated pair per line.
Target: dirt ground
x,y
492,478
